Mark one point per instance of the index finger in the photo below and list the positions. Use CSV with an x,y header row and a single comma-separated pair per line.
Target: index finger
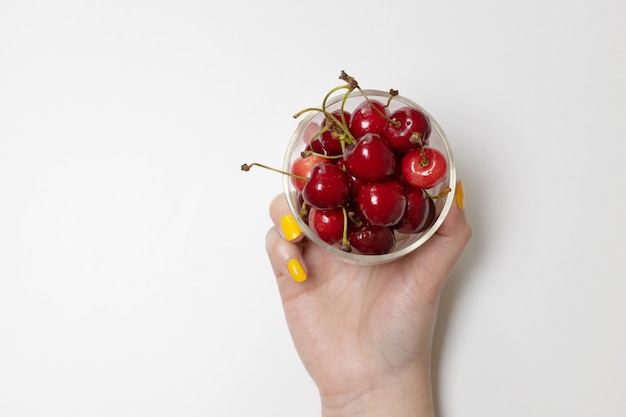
x,y
284,220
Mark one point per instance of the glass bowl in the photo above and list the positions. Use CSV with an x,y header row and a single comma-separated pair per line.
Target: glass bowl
x,y
405,243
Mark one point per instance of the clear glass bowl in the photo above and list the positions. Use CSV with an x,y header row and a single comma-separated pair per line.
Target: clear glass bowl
x,y
405,243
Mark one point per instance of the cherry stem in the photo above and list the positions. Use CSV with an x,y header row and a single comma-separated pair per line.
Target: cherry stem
x,y
352,82
417,139
354,220
445,191
247,167
392,93
303,212
345,242
306,154
349,138
331,92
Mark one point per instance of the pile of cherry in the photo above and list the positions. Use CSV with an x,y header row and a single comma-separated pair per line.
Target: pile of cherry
x,y
365,175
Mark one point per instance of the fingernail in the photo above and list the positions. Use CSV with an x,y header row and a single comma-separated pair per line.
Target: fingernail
x,y
291,230
460,195
296,270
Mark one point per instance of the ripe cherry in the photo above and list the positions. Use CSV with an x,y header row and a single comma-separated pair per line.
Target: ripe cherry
x,y
370,239
328,187
328,224
366,119
302,168
424,168
419,213
370,158
411,130
382,203
331,139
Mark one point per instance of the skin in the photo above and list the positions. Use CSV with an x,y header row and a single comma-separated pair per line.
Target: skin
x,y
364,333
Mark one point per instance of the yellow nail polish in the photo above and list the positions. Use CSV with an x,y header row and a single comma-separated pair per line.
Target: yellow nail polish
x,y
291,230
460,195
296,270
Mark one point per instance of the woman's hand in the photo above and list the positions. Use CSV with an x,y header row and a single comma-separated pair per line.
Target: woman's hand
x,y
364,333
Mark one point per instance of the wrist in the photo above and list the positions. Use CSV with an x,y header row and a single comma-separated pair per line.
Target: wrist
x,y
403,396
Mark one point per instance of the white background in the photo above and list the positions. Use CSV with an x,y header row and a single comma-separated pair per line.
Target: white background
x,y
133,276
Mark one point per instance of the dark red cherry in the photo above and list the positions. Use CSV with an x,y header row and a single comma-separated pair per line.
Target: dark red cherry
x,y
424,169
370,158
370,239
411,130
419,213
316,146
367,120
331,139
356,185
327,224
328,187
382,203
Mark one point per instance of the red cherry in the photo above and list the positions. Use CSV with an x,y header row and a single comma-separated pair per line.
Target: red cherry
x,y
382,203
370,158
372,240
316,146
411,130
328,187
302,167
331,139
327,224
424,168
419,213
367,120
356,185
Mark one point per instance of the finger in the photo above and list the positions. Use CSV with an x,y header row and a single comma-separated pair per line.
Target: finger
x,y
285,257
282,242
455,223
441,252
284,220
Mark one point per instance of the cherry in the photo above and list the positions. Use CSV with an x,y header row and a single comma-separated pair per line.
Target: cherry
x,y
424,168
368,118
370,158
301,167
316,146
356,185
382,203
419,213
331,139
328,187
411,130
328,224
370,239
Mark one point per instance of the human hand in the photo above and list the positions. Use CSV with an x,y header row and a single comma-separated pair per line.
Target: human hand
x,y
364,333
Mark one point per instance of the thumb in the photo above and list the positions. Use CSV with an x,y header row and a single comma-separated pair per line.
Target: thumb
x,y
440,253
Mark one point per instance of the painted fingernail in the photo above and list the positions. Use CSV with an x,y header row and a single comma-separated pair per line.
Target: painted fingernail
x,y
296,270
460,195
291,230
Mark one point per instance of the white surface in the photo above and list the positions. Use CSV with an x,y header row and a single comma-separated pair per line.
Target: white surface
x,y
133,277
